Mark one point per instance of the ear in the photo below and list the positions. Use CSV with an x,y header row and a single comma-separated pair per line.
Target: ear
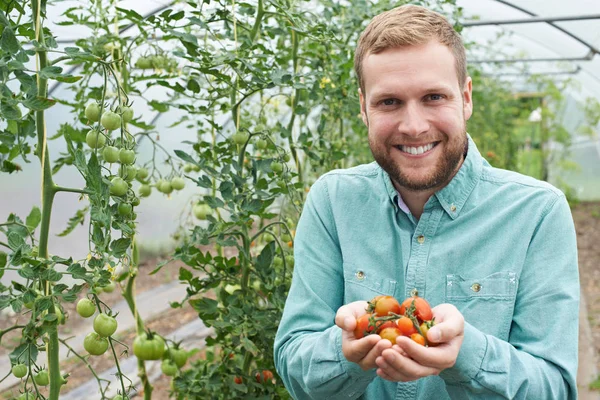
x,y
363,109
467,93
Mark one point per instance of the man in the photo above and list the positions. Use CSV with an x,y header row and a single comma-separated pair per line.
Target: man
x,y
492,250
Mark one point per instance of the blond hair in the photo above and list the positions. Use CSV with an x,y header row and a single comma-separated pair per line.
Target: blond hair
x,y
409,25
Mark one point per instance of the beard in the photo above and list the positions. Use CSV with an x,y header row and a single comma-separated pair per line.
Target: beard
x,y
445,168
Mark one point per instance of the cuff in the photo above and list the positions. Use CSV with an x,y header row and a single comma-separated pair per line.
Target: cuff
x,y
470,357
351,368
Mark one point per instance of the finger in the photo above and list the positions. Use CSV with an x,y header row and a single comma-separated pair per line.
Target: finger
x,y
450,323
401,367
391,373
399,350
368,360
385,376
346,315
439,357
356,350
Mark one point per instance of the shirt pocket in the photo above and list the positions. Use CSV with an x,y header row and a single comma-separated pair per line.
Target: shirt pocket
x,y
486,303
364,284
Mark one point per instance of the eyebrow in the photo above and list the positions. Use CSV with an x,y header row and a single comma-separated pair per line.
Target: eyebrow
x,y
437,89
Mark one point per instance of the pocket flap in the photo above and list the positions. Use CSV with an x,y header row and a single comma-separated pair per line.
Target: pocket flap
x,y
497,285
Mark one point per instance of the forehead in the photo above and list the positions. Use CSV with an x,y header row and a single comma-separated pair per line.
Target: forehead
x,y
428,64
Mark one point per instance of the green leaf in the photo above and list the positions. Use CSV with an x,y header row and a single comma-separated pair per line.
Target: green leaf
x,y
265,258
34,218
51,275
9,111
3,262
79,272
38,103
15,241
27,272
26,353
120,246
77,219
185,157
185,274
9,42
159,106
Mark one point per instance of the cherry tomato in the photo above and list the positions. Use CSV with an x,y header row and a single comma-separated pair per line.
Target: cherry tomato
x,y
276,167
261,144
127,114
147,347
95,139
95,344
128,172
105,325
201,211
178,183
145,190
390,334
406,326
422,308
362,326
386,305
142,173
168,368
179,355
110,121
92,112
110,154
418,338
387,324
126,157
240,137
109,288
165,187
42,378
265,377
289,260
144,63
86,308
125,209
19,370
118,186
238,380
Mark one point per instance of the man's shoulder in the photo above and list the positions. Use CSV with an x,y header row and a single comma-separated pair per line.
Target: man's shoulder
x,y
518,182
366,170
353,182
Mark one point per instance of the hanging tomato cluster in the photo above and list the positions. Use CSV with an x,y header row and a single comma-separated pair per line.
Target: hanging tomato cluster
x,y
389,319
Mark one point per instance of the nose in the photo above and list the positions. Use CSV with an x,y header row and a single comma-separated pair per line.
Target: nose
x,y
413,120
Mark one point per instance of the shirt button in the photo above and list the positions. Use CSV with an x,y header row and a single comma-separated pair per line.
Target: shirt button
x,y
420,239
360,275
414,293
476,287
453,208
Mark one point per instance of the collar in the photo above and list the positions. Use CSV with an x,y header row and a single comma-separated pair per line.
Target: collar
x,y
454,195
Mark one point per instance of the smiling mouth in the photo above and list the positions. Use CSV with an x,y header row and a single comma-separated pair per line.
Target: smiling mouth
x,y
417,150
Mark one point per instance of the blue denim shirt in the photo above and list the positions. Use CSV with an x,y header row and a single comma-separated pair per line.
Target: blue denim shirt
x,y
510,234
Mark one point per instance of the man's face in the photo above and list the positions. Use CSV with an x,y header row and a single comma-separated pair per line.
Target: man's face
x,y
416,114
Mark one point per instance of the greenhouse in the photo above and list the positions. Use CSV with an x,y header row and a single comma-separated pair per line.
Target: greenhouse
x,y
158,159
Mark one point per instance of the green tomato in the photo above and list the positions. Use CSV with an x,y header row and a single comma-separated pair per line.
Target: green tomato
x,y
126,157
110,287
168,368
286,238
195,168
42,378
104,324
261,144
289,260
165,187
178,183
142,173
26,396
95,139
145,190
118,397
148,348
95,344
135,201
92,112
143,63
86,308
240,137
19,370
187,168
128,173
201,211
110,154
286,157
127,114
110,121
277,261
124,209
118,187
180,356
276,167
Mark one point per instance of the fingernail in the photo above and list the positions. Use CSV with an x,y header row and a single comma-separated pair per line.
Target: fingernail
x,y
434,335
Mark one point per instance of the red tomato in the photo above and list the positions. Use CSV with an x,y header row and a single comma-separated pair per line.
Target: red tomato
x,y
386,305
362,326
387,324
238,380
422,308
390,334
406,326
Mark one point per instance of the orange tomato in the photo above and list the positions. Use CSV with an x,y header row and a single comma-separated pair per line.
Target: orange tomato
x,y
418,338
406,326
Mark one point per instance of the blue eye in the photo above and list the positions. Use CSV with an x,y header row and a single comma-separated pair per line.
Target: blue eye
x,y
435,96
389,102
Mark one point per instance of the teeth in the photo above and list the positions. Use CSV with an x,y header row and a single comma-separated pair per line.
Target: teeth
x,y
417,150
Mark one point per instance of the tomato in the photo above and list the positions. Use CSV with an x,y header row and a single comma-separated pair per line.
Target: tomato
x,y
289,260
109,288
27,396
125,209
118,397
42,378
201,211
128,172
187,168
390,334
261,144
144,63
277,261
418,338
406,326
110,121
286,157
240,137
86,308
127,114
422,308
276,167
92,111
237,380
110,154
180,356
95,139
126,157
362,326
145,190
265,377
177,183
286,238
105,325
118,186
387,305
148,347
168,368
142,173
135,201
19,370
95,344
165,187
